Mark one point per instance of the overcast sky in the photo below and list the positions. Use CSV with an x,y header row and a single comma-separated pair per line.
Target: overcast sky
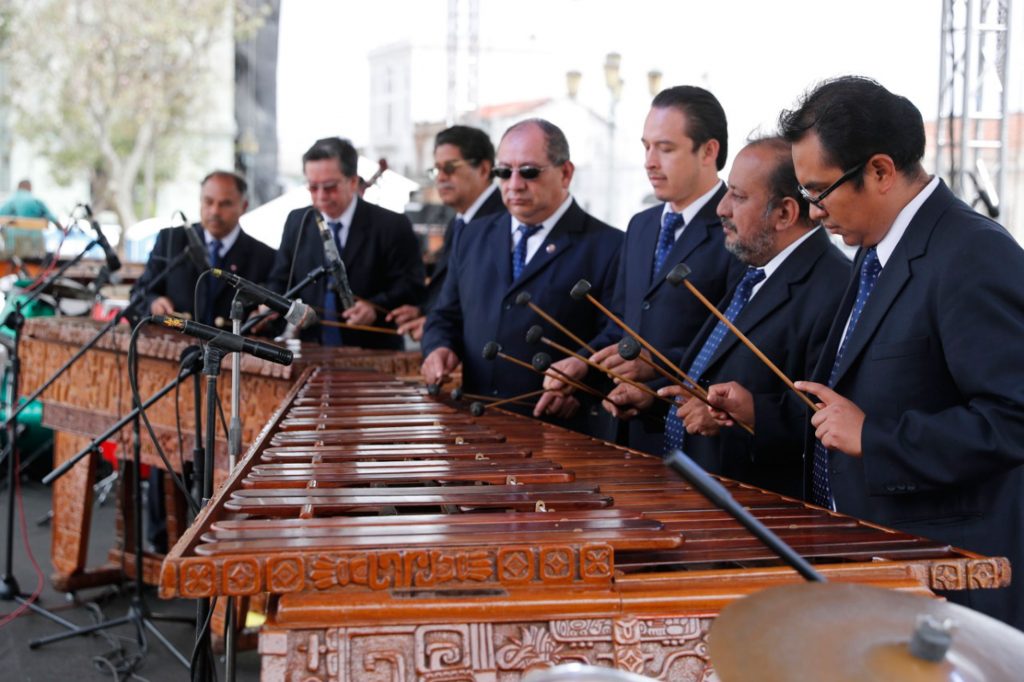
x,y
757,56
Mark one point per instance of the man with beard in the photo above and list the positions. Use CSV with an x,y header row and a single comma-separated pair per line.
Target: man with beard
x,y
784,303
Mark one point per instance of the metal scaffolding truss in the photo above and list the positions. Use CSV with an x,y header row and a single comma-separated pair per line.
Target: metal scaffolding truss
x,y
971,139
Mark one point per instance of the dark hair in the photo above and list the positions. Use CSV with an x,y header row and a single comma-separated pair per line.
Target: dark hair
x,y
239,181
782,182
557,146
856,118
474,144
337,148
705,117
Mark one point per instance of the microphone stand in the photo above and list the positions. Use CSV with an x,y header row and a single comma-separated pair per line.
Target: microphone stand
x,y
9,588
139,613
212,358
716,492
116,320
121,423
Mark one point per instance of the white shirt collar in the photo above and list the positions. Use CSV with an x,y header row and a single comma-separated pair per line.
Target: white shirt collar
x,y
226,243
475,206
888,244
345,219
540,235
776,262
691,211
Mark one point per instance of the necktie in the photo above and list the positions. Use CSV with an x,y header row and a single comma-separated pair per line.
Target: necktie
x,y
331,336
519,253
673,425
213,285
670,222
336,231
821,489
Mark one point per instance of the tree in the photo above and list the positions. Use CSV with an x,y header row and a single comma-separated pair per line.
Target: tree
x,y
110,90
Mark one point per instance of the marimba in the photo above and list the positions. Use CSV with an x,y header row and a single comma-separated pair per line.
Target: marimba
x,y
400,538
94,394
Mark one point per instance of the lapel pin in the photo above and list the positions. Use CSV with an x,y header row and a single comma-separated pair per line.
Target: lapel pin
x,y
550,248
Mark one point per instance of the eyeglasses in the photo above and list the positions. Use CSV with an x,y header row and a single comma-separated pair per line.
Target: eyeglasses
x,y
448,167
831,188
525,172
325,186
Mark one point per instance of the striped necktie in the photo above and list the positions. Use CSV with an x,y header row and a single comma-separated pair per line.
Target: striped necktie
x,y
674,431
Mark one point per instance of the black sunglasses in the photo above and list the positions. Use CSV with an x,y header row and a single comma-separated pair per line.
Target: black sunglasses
x,y
525,172
831,188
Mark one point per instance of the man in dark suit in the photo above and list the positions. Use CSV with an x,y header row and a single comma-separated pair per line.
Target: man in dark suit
x,y
543,245
921,379
222,202
685,142
378,247
463,159
787,316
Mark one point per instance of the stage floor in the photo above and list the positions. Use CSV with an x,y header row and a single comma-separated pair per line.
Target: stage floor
x,y
73,659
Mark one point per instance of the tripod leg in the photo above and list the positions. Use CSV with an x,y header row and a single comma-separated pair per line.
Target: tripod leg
x,y
166,642
78,631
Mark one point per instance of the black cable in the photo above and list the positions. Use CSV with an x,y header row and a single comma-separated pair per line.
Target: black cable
x,y
202,638
133,380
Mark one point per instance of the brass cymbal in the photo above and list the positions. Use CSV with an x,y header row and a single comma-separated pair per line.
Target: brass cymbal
x,y
839,632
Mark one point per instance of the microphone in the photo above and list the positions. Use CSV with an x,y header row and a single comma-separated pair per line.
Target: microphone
x,y
113,262
225,340
102,279
196,250
335,266
295,312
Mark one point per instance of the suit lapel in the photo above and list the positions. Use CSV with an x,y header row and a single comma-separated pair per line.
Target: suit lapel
x,y
894,276
499,249
696,232
358,233
558,241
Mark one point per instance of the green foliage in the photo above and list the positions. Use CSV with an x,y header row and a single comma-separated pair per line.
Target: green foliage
x,y
104,88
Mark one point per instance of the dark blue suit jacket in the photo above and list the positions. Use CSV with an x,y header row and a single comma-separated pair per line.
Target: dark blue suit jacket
x,y
935,363
491,205
477,302
382,260
788,320
248,258
668,317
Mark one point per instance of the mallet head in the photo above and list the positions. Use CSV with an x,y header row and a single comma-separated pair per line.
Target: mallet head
x,y
534,334
476,409
629,348
677,274
541,361
457,393
523,298
491,350
580,290
434,389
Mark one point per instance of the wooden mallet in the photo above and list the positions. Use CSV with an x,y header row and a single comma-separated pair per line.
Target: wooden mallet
x,y
679,274
535,334
581,291
629,349
524,298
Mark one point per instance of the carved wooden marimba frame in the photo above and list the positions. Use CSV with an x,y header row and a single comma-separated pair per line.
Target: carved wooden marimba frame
x,y
94,393
402,539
